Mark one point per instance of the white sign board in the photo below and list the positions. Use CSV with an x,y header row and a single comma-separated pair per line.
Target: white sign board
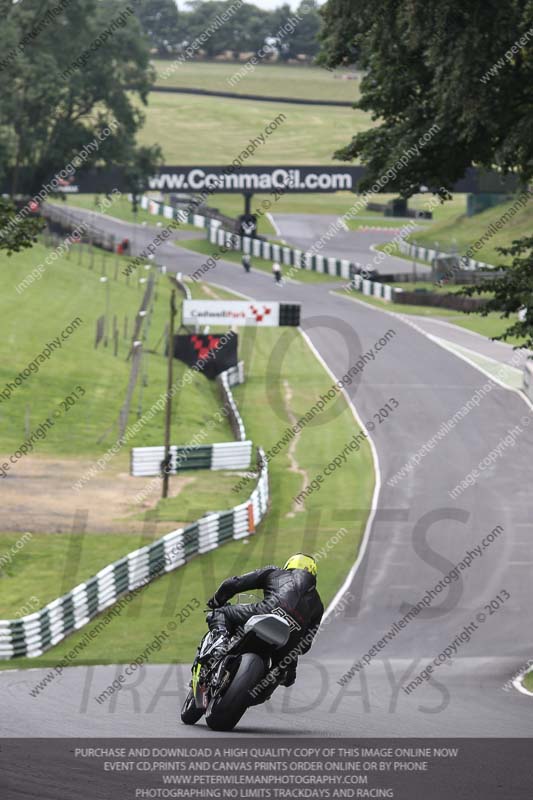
x,y
230,312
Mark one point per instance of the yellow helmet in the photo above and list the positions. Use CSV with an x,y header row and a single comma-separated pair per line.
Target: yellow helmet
x,y
302,561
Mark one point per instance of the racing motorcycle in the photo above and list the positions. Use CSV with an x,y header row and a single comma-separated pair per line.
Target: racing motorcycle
x,y
225,683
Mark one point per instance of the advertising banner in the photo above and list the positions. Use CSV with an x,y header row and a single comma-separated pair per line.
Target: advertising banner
x,y
240,312
265,179
230,312
304,179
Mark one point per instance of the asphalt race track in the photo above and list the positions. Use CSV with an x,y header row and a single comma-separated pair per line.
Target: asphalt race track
x,y
303,230
417,534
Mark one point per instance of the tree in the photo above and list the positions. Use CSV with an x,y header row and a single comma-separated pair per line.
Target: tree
x,y
512,291
463,70
282,42
249,30
16,234
427,62
243,31
77,80
159,20
305,39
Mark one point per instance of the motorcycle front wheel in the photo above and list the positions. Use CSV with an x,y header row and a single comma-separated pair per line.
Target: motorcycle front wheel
x,y
224,711
190,713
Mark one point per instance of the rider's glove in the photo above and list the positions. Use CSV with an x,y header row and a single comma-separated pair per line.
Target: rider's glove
x,y
289,676
212,603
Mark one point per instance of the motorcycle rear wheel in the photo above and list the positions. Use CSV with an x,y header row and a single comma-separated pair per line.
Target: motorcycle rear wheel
x,y
225,711
190,713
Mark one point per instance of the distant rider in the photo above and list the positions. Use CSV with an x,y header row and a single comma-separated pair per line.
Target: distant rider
x,y
276,271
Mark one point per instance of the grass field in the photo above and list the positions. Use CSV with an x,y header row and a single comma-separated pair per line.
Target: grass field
x,y
66,291
50,564
458,232
528,681
209,130
309,83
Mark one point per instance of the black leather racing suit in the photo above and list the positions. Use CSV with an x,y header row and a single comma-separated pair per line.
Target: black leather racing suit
x,y
289,592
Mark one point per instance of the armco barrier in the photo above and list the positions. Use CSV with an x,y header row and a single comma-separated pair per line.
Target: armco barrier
x,y
289,256
182,286
373,288
169,212
32,635
146,461
232,377
427,254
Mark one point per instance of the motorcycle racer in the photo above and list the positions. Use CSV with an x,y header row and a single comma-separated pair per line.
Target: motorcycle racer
x,y
289,592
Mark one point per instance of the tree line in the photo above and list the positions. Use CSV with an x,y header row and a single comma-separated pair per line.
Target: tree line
x,y
169,30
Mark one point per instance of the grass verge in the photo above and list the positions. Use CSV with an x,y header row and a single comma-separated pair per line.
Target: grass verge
x,y
276,80
490,326
458,232
528,681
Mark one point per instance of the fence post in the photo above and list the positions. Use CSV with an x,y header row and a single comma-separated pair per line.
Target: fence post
x,y
168,409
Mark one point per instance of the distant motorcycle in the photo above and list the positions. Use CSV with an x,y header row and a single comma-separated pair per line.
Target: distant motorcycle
x,y
224,685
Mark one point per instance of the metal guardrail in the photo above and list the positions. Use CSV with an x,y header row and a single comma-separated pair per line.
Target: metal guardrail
x,y
289,256
63,221
158,208
428,254
182,286
232,377
146,461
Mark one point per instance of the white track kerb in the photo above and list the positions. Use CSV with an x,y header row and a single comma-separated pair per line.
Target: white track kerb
x,y
518,683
